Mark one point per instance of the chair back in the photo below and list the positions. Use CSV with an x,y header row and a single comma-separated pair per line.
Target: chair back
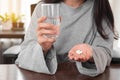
x,y
32,8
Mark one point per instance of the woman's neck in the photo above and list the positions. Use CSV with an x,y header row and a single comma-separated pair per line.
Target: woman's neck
x,y
74,3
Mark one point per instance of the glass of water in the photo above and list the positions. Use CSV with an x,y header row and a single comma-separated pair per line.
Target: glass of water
x,y
52,12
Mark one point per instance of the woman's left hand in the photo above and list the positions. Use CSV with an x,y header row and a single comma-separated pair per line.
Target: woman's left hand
x,y
81,52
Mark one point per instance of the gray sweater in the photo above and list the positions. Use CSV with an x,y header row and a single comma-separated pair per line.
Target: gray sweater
x,y
76,28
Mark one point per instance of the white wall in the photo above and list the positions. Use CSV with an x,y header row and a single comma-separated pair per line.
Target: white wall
x,y
116,11
25,9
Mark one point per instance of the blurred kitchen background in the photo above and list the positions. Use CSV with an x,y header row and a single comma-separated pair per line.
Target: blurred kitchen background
x,y
12,12
15,16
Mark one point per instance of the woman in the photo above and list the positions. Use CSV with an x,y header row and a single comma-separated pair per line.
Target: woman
x,y
86,37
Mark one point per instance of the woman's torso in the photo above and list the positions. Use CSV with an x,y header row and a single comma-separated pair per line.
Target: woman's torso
x,y
75,27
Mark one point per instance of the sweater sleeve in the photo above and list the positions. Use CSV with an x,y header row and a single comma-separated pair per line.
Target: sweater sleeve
x,y
102,51
31,56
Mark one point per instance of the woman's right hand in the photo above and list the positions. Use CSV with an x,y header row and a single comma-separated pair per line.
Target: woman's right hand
x,y
44,29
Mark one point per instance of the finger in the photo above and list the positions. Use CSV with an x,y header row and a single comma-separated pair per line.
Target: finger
x,y
51,40
46,26
83,59
89,52
85,55
46,32
47,46
76,58
71,55
80,58
43,40
89,55
42,19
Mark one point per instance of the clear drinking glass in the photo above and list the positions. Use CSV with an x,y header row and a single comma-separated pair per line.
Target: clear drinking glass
x,y
52,12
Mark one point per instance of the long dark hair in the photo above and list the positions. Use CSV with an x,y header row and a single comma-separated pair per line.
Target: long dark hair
x,y
101,11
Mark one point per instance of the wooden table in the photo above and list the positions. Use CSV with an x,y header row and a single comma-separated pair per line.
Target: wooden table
x,y
66,71
12,34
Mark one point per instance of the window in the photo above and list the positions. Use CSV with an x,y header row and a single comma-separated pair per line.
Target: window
x,y
116,10
18,7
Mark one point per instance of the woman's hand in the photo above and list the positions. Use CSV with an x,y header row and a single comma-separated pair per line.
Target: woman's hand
x,y
85,54
44,29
